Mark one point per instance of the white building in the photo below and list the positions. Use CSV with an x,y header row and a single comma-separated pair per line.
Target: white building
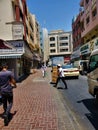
x,y
60,45
45,45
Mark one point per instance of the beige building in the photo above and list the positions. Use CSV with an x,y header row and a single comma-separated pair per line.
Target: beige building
x,y
34,38
60,44
21,30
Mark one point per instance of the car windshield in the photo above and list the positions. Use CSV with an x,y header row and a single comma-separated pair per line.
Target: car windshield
x,y
67,66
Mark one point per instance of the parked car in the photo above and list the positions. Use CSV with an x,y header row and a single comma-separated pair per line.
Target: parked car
x,y
70,71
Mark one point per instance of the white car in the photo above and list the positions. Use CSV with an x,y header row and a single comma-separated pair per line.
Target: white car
x,y
70,71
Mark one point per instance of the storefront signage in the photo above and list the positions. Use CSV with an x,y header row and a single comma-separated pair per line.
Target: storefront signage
x,y
90,46
18,45
17,31
84,49
96,44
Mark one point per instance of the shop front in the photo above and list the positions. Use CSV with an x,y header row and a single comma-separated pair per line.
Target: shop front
x,y
18,58
75,56
86,50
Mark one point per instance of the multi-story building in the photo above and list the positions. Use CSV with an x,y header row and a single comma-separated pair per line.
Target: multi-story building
x,y
60,46
21,30
45,45
85,32
76,35
89,22
35,28
41,41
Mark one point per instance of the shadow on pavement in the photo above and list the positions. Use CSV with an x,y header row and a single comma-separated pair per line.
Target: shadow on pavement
x,y
61,88
22,78
92,106
10,117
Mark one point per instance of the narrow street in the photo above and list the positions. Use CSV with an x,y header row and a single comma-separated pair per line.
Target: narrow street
x,y
40,106
81,105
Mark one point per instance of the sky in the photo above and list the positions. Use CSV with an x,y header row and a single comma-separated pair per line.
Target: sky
x,y
54,14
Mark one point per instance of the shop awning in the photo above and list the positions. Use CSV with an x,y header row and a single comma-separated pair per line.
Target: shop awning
x,y
5,45
8,56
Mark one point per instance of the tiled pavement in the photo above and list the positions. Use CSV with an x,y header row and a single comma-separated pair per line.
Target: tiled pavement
x,y
37,106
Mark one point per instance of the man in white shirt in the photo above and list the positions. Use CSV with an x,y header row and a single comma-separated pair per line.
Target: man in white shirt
x,y
60,76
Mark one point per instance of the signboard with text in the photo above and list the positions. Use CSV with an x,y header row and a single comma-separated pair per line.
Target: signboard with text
x,y
17,31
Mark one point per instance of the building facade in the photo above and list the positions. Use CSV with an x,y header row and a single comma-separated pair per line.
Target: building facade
x,y
77,39
85,32
89,23
20,29
60,45
45,45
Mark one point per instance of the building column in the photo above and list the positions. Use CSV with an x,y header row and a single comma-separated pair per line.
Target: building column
x,y
17,11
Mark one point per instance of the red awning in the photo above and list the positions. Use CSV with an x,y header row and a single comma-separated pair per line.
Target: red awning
x,y
4,45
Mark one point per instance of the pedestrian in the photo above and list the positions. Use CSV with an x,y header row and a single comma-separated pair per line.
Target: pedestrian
x,y
43,68
7,83
60,76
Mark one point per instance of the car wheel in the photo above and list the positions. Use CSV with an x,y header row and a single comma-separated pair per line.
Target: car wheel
x,y
77,77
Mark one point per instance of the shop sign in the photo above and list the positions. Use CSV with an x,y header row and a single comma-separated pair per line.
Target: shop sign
x,y
90,46
96,44
18,45
85,49
66,59
17,30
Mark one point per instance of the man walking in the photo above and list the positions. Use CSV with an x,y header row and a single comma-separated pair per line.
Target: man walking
x,y
43,68
7,82
60,76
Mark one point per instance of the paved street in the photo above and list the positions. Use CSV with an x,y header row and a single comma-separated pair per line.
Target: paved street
x,y
38,106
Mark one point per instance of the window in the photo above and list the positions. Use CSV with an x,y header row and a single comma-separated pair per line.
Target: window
x,y
87,20
86,1
63,38
52,51
93,36
94,12
52,38
82,25
63,50
52,45
64,44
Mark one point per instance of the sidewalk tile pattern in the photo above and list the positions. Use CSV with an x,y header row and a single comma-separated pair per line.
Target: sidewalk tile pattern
x,y
33,107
